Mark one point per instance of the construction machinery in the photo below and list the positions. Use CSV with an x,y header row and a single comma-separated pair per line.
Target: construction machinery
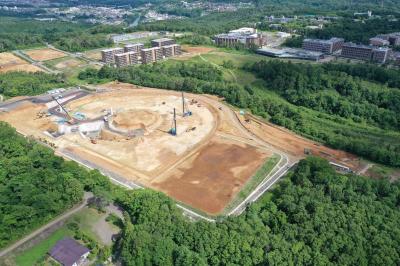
x,y
173,130
70,118
185,109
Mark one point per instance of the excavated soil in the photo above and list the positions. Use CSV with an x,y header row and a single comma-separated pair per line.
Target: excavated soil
x,y
44,54
212,177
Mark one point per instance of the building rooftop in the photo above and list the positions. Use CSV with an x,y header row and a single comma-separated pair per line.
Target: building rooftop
x,y
351,44
152,48
325,41
68,251
111,49
133,44
162,40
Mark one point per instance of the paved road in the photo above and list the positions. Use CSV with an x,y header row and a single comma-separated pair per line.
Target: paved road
x,y
50,224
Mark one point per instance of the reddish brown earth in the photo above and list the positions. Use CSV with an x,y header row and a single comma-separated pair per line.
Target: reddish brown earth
x,y
211,178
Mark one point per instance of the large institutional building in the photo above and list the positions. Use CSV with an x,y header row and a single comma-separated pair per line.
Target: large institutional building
x,y
245,36
323,46
365,52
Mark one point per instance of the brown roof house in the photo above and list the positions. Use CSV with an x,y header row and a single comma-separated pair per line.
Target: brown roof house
x,y
69,252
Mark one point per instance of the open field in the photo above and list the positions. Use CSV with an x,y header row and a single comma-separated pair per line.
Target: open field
x,y
93,54
204,166
10,62
44,54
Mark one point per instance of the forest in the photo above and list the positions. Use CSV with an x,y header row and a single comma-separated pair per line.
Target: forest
x,y
36,185
22,33
358,32
330,90
357,130
22,83
314,216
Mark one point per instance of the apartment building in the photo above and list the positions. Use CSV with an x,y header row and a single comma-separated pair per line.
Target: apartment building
x,y
133,58
107,55
122,60
162,42
365,52
150,55
323,46
133,47
171,50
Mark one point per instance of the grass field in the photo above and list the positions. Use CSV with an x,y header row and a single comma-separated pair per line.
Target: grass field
x,y
38,253
87,219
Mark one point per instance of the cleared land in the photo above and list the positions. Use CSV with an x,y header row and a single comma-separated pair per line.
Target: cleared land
x,y
296,145
192,51
44,54
10,62
204,166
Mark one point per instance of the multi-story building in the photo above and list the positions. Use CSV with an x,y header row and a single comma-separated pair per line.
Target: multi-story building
x,y
398,60
392,38
126,59
365,52
323,46
133,58
378,42
122,60
352,50
380,54
150,55
107,55
133,47
245,36
162,42
171,50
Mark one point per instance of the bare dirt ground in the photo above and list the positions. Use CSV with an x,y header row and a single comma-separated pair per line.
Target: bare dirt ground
x,y
69,63
10,62
44,54
192,51
209,179
295,145
96,55
204,166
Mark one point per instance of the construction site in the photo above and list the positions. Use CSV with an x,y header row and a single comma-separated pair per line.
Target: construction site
x,y
188,146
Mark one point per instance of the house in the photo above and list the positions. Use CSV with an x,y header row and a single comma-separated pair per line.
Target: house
x,y
69,252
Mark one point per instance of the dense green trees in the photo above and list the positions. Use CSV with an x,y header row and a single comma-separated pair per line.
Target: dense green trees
x,y
21,33
331,91
313,217
23,83
36,185
356,31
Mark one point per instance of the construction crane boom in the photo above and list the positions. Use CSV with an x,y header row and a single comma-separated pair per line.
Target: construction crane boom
x,y
55,99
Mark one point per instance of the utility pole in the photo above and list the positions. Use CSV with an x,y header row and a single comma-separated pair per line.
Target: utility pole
x,y
175,122
183,105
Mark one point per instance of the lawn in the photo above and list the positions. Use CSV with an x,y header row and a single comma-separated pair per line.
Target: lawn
x,y
38,253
